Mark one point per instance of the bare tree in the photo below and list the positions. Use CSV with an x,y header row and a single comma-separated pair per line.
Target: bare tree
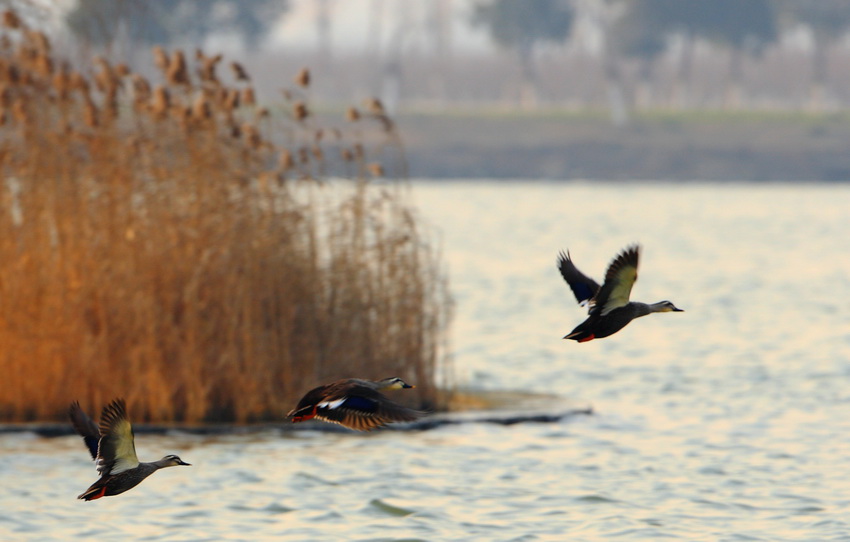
x,y
521,26
829,21
173,21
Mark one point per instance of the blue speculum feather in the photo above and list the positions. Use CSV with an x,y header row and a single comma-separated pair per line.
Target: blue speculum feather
x,y
359,403
91,443
583,292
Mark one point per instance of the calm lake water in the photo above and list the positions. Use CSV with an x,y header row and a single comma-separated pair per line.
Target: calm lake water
x,y
730,421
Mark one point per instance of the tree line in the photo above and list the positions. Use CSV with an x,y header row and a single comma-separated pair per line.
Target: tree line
x,y
639,40
641,31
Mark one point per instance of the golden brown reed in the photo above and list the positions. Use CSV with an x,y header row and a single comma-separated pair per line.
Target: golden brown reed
x,y
156,245
302,78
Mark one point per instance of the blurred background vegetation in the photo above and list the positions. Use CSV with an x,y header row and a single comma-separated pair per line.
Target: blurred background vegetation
x,y
172,22
171,240
578,53
647,89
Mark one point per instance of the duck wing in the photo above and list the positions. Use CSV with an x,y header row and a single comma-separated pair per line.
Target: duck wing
x,y
619,279
307,404
583,287
85,426
363,409
116,451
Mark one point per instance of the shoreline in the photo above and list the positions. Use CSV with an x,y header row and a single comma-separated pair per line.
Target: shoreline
x,y
53,430
466,406
657,146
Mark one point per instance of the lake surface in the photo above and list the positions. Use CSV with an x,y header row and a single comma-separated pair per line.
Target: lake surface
x,y
730,421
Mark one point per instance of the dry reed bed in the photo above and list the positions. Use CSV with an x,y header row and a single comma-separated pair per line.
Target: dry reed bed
x,y
156,244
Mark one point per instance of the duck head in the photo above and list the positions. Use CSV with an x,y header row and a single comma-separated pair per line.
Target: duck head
x,y
393,383
665,306
171,461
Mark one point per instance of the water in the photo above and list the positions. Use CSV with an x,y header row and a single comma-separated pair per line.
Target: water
x,y
726,422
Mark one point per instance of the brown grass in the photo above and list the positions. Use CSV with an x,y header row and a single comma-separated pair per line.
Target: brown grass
x,y
156,244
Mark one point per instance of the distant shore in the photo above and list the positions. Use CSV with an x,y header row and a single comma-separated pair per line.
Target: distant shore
x,y
675,146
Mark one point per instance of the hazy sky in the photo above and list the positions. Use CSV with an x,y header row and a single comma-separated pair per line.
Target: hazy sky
x,y
353,24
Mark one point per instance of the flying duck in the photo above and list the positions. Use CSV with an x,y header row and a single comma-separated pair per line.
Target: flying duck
x,y
609,308
354,403
111,445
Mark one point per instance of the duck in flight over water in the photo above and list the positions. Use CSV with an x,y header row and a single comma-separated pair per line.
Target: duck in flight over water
x,y
354,403
111,445
609,308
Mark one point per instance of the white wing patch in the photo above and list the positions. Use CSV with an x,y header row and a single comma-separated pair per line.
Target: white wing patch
x,y
332,404
121,436
619,296
121,465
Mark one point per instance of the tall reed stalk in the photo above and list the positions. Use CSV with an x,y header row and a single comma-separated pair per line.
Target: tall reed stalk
x,y
157,244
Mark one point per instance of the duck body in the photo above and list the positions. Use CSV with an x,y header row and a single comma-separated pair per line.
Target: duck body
x,y
354,403
116,484
596,327
112,446
609,308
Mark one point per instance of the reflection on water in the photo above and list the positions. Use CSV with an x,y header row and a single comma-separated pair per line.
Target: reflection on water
x,y
725,422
